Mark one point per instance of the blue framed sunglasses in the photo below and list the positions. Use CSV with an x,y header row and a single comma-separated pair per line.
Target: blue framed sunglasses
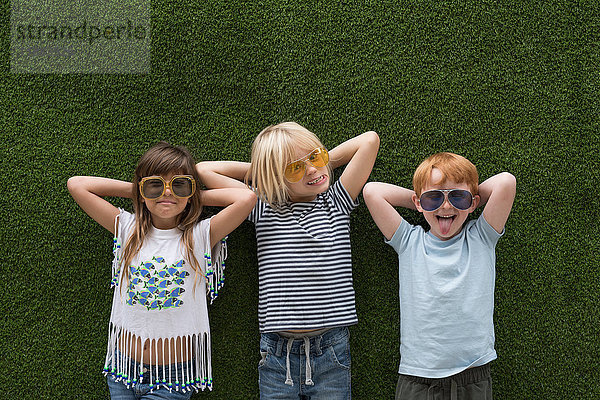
x,y
460,199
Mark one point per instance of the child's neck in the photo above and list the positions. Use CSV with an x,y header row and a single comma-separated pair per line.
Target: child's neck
x,y
300,199
164,224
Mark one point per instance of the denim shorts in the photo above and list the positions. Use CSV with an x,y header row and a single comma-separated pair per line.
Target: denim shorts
x,y
145,390
318,366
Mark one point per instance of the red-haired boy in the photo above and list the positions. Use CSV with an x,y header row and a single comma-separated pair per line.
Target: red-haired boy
x,y
446,275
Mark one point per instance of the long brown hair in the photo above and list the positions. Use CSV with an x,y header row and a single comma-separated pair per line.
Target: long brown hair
x,y
163,159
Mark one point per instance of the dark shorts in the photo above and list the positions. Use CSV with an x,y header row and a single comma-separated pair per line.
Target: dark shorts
x,y
471,384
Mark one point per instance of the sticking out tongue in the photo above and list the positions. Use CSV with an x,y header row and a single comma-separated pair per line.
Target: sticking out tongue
x,y
445,224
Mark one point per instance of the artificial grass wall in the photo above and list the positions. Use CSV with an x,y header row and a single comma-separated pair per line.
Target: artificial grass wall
x,y
513,87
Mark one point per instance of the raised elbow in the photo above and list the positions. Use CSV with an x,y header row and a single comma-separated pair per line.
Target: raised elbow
x,y
369,190
250,197
509,181
74,182
202,169
373,138
506,185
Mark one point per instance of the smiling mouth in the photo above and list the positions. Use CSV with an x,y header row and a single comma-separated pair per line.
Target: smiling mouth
x,y
318,180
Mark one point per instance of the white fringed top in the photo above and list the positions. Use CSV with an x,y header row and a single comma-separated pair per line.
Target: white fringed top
x,y
163,301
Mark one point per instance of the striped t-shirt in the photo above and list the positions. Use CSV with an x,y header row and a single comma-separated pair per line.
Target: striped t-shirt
x,y
305,263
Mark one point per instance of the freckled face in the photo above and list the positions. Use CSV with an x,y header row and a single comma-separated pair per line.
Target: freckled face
x,y
165,209
314,181
447,221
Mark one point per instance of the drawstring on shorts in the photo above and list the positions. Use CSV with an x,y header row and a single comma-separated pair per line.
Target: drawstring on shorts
x,y
288,376
306,336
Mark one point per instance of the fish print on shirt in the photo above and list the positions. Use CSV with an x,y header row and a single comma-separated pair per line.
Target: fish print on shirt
x,y
155,285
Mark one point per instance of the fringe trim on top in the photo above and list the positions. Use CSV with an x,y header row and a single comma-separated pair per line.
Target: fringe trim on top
x,y
115,264
196,370
215,270
116,268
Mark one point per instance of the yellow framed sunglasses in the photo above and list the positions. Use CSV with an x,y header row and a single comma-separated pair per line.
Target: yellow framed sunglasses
x,y
295,170
153,187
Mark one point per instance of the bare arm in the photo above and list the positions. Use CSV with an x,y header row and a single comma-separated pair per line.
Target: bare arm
x,y
223,174
237,202
498,194
381,198
88,192
359,153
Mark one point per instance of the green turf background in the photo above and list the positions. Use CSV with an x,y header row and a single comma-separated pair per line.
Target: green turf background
x,y
513,86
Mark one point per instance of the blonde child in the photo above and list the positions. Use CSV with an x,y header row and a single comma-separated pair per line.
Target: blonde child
x,y
302,220
166,259
446,275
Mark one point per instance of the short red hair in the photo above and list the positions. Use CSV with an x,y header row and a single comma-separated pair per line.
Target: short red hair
x,y
452,166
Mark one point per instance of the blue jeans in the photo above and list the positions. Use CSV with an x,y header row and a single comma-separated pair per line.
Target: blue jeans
x,y
326,377
139,391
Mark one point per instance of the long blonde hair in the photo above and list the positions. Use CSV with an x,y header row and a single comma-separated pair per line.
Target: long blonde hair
x,y
275,147
163,159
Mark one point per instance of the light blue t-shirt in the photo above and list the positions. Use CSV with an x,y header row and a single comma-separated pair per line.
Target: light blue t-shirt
x,y
446,298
